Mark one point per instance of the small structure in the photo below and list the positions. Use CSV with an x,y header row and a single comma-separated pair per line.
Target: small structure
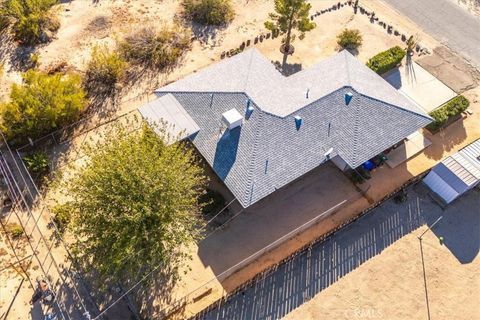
x,y
232,118
456,174
167,113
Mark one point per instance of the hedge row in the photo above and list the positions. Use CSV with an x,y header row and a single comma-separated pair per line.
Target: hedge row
x,y
386,60
450,109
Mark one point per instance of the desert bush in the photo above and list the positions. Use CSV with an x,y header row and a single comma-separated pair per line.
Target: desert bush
x,y
386,60
154,49
40,105
36,162
450,109
15,230
212,202
349,39
209,12
104,71
33,21
61,217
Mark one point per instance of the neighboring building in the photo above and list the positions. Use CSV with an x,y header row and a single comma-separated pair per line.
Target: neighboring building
x,y
456,174
259,130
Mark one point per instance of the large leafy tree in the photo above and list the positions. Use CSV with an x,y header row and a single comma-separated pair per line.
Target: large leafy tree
x,y
290,15
41,104
134,202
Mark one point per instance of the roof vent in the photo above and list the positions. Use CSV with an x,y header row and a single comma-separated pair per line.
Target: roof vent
x,y
232,118
328,153
250,108
348,97
298,122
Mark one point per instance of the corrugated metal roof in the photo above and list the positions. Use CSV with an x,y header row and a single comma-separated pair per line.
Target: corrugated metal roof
x,y
462,169
167,109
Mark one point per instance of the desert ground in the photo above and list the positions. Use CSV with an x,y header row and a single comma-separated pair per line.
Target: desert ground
x,y
391,285
85,23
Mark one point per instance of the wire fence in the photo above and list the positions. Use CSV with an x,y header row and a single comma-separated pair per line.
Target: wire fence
x,y
260,276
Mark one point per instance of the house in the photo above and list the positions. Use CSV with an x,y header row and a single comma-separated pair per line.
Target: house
x,y
259,130
456,174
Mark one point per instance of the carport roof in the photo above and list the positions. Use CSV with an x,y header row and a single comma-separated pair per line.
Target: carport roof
x,y
270,150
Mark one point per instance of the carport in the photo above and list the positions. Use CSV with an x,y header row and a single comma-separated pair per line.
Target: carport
x,y
456,174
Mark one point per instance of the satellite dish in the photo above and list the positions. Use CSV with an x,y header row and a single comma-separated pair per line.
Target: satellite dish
x,y
327,154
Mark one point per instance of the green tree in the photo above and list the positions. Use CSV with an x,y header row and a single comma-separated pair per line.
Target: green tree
x,y
135,194
290,15
42,104
33,21
209,12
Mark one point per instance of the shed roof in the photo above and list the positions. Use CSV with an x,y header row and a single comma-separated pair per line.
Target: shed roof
x,y
269,150
167,109
462,169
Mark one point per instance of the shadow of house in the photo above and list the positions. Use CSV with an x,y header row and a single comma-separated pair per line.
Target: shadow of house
x,y
226,152
311,271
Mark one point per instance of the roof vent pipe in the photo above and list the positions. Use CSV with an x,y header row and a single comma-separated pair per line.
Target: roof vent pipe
x,y
348,97
298,122
249,110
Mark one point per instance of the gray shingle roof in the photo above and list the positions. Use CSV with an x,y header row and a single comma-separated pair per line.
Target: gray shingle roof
x,y
267,151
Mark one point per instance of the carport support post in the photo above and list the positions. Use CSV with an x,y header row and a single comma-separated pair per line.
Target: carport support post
x,y
429,228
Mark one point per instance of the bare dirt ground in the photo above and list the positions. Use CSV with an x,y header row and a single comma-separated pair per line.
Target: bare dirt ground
x,y
85,23
391,285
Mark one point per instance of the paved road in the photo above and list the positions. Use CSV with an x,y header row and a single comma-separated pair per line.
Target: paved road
x,y
298,280
447,22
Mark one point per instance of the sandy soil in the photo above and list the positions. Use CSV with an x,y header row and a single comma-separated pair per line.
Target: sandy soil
x,y
391,284
84,23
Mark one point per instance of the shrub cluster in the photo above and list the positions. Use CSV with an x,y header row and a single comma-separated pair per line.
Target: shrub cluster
x,y
159,50
104,71
350,39
209,12
41,104
450,109
15,230
212,201
36,163
386,60
62,215
33,21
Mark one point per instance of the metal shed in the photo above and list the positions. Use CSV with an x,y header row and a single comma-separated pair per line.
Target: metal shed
x,y
456,174
167,113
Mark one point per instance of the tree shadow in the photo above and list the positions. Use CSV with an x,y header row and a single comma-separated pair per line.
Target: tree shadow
x,y
154,297
17,55
446,139
287,69
207,35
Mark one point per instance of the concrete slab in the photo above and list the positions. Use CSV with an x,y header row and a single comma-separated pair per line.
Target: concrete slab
x,y
413,144
420,86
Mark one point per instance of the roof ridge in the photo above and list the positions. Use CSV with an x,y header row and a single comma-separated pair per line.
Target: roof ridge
x,y
250,173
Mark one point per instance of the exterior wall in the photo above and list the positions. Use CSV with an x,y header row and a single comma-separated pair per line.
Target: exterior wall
x,y
340,163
